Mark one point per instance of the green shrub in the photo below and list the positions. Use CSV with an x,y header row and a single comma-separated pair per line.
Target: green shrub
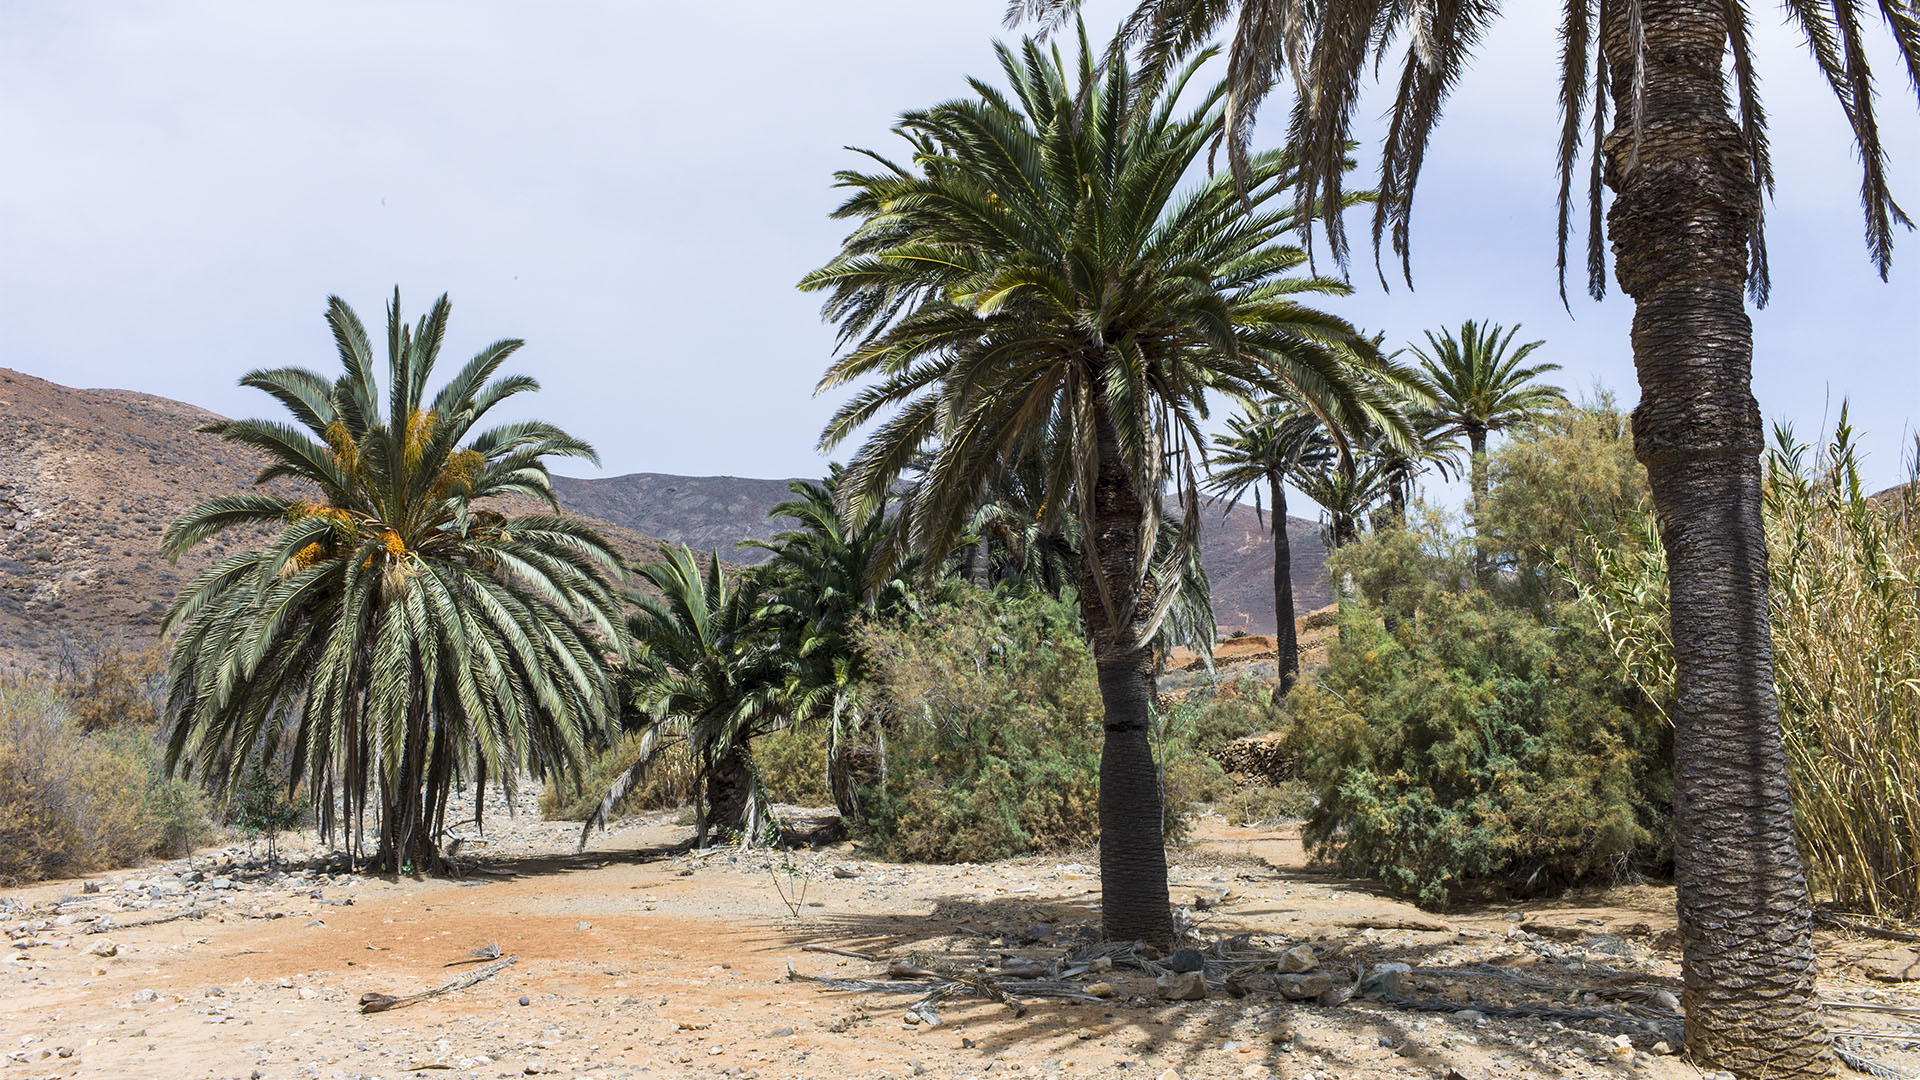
x,y
992,743
668,782
1476,739
793,765
262,807
72,803
1474,728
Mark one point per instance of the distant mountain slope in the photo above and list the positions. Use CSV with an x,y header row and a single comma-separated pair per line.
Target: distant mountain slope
x,y
703,512
719,511
1238,556
89,479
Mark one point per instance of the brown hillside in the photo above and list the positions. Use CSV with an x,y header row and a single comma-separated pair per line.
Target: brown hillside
x,y
703,512
1238,555
89,479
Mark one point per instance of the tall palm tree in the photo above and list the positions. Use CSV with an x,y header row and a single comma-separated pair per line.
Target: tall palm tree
x,y
1267,445
1480,388
398,629
1688,177
1035,283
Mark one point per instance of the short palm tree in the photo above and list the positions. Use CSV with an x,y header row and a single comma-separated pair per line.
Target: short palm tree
x,y
1035,283
1267,445
702,669
828,574
1479,388
398,628
1649,80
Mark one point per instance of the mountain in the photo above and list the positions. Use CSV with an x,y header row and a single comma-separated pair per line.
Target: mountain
x,y
703,512
709,512
1238,556
89,479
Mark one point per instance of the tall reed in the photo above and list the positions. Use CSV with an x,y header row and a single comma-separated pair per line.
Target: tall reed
x,y
1845,569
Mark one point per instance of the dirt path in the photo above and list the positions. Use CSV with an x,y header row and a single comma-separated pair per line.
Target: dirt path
x,y
640,959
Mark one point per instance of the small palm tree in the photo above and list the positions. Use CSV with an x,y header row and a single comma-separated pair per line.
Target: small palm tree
x,y
702,669
1269,444
1034,285
398,630
1480,388
827,574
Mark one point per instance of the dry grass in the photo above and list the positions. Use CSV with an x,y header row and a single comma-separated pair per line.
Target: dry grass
x,y
1846,639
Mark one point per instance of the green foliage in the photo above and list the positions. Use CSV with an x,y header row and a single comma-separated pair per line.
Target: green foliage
x,y
995,741
1210,718
1846,658
792,763
1568,477
263,807
1467,731
666,781
398,633
72,802
993,747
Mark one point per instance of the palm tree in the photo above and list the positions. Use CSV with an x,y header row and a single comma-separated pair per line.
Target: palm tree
x,y
1479,388
1267,444
705,670
827,574
401,632
1034,284
1688,180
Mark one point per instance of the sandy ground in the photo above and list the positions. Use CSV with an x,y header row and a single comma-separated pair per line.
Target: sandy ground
x,y
642,958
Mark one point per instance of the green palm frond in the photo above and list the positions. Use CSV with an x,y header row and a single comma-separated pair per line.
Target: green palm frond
x,y
398,636
1046,272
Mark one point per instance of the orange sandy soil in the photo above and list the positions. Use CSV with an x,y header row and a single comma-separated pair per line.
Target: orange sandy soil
x,y
640,959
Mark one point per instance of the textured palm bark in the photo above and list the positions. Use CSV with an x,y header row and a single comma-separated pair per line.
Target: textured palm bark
x,y
1477,486
1134,901
729,786
1685,204
1286,641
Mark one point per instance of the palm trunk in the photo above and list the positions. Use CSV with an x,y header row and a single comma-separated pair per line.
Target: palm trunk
x,y
1134,901
729,790
1477,485
1685,205
1286,641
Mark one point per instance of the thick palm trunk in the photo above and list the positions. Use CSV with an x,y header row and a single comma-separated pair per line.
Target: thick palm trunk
x,y
1286,641
1685,205
729,790
1134,902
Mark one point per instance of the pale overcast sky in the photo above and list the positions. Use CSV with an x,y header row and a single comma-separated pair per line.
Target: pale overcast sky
x,y
634,187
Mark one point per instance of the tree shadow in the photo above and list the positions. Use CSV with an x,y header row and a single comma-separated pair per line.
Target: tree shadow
x,y
1269,1030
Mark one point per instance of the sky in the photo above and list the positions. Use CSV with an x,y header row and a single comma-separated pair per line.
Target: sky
x,y
635,187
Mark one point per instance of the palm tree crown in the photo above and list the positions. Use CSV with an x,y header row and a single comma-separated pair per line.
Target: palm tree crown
x,y
1479,386
400,632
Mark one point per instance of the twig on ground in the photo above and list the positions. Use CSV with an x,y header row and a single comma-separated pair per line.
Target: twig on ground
x,y
373,1001
868,957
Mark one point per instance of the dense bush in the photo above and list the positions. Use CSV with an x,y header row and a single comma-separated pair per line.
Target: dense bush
x,y
992,746
792,763
667,782
72,803
1468,730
